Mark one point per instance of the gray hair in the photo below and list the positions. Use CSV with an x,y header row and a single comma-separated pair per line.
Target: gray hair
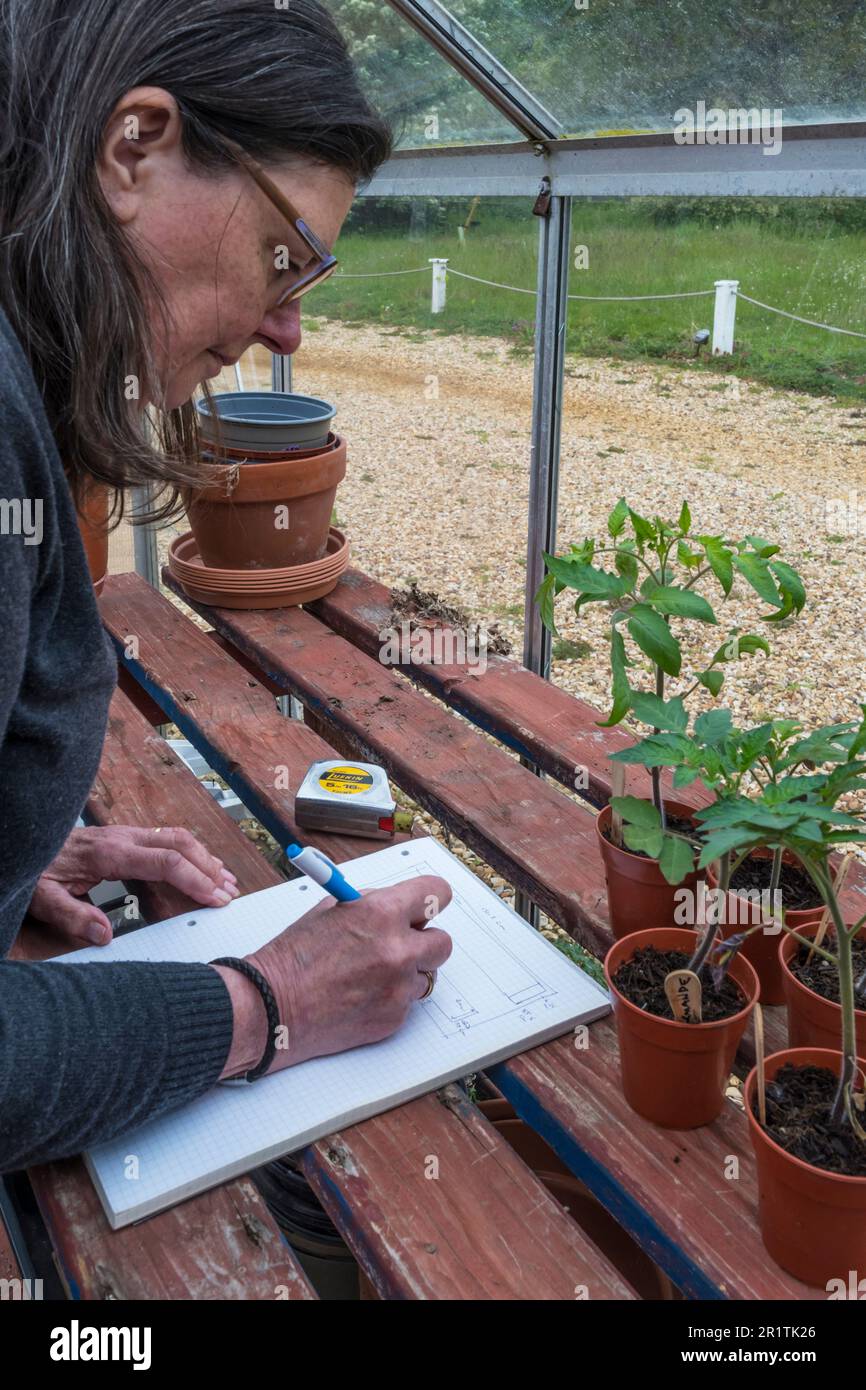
x,y
278,80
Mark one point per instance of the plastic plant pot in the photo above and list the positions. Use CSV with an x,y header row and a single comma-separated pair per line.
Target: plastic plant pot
x,y
675,1074
638,894
266,421
813,1222
813,1021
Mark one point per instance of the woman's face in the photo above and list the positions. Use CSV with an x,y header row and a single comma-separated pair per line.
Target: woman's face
x,y
219,251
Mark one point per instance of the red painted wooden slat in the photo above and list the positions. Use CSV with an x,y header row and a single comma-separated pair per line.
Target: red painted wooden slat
x,y
533,716
491,1240
677,1191
517,822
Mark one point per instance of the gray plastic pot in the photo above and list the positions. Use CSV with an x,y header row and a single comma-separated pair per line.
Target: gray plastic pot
x,y
266,421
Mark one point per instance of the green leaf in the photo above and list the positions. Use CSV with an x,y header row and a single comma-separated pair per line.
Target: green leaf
x,y
661,714
621,692
637,811
688,557
637,838
643,529
618,517
544,598
791,585
676,859
681,603
719,844
626,566
652,634
684,776
575,574
764,548
685,521
756,572
713,726
719,560
658,750
712,680
738,646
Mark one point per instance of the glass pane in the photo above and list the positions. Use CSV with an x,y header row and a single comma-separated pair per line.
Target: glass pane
x,y
765,440
425,99
609,66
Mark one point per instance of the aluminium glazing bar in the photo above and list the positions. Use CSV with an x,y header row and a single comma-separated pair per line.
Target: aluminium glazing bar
x,y
474,62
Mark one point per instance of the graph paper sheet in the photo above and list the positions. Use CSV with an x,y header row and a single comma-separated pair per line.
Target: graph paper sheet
x,y
504,988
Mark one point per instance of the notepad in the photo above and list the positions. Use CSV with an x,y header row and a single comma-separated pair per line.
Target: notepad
x,y
505,988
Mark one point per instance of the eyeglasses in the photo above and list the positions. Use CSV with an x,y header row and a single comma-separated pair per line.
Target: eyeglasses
x,y
324,264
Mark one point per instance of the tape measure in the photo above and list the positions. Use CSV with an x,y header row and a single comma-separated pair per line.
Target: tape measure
x,y
350,799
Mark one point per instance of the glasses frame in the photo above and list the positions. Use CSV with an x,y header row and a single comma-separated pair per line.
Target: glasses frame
x,y
325,264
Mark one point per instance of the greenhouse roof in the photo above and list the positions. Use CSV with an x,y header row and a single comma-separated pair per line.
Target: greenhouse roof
x,y
620,96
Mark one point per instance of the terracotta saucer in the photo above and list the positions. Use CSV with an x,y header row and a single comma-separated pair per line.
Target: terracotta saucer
x,y
246,589
186,563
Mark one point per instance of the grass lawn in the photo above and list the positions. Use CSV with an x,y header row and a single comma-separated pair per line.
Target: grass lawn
x,y
819,273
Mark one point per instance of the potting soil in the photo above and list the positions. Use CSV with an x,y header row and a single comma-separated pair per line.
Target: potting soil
x,y
642,981
799,1101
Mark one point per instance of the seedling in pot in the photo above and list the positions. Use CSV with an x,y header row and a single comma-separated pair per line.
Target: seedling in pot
x,y
776,760
649,574
800,813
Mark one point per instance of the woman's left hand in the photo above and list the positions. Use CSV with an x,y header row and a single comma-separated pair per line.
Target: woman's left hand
x,y
167,855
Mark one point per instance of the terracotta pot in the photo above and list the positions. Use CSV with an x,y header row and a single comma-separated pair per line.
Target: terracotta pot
x,y
674,1074
237,522
762,949
638,894
813,1021
280,455
581,1204
813,1223
93,525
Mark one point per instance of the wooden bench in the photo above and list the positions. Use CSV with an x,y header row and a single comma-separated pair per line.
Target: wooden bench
x,y
572,1098
414,1238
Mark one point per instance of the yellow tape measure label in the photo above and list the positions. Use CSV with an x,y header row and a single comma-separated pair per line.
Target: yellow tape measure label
x,y
345,781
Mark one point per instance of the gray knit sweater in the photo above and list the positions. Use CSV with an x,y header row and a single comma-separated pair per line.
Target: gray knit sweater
x,y
86,1051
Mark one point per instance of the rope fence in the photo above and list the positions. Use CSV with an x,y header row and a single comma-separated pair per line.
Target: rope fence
x,y
725,292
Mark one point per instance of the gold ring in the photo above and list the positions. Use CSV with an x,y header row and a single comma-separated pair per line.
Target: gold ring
x,y
430,983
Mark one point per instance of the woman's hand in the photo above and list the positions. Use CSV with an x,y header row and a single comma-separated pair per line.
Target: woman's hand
x,y
124,852
343,975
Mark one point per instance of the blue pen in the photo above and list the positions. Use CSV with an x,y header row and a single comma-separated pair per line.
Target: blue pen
x,y
319,868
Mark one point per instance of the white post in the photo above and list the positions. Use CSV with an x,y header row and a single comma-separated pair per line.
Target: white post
x,y
725,316
437,302
239,377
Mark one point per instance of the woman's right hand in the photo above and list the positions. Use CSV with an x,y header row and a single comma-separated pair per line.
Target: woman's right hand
x,y
343,975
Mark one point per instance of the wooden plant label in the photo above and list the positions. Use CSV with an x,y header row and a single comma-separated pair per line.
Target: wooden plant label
x,y
825,915
683,989
759,1064
617,788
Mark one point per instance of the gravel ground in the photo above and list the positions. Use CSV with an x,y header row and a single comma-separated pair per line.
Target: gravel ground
x,y
437,491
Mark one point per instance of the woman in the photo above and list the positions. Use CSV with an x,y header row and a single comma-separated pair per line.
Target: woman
x,y
140,253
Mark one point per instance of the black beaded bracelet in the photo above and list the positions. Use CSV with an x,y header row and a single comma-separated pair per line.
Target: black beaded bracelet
x,y
261,984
